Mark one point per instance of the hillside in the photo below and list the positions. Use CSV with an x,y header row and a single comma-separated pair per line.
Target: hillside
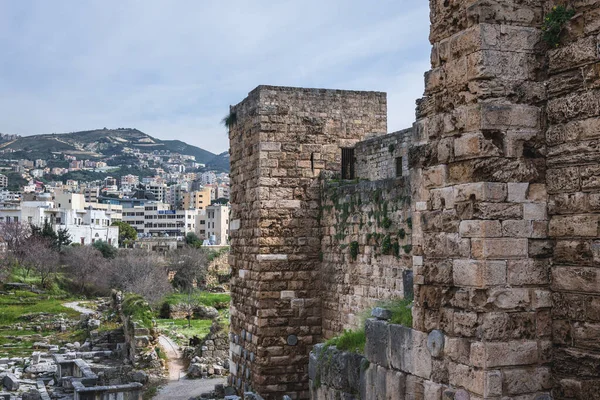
x,y
101,143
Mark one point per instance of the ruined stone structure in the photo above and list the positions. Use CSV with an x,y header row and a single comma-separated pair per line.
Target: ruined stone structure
x,y
487,209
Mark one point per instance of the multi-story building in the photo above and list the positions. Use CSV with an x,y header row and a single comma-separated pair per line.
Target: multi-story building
x,y
85,225
208,178
40,163
158,219
198,199
176,195
130,181
213,224
158,190
3,180
91,194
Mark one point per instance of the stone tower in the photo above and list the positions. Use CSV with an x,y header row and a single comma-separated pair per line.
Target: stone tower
x,y
281,141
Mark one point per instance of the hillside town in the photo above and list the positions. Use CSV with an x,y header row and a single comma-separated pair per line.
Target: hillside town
x,y
176,197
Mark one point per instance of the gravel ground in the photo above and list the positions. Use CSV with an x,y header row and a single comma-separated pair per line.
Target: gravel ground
x,y
178,387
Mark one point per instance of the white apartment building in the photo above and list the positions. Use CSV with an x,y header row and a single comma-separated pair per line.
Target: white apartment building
x,y
66,211
3,180
158,219
208,178
213,225
159,190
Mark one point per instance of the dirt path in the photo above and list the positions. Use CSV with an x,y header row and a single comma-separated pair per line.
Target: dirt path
x,y
75,306
176,366
177,388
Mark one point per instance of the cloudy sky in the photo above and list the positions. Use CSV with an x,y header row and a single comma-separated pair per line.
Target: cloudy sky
x,y
172,67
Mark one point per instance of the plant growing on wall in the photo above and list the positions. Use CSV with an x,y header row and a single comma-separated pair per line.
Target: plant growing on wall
x,y
554,24
229,120
354,250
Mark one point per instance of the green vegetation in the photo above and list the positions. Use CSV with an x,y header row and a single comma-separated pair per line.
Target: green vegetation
x,y
174,327
354,250
216,300
229,120
15,307
349,341
127,233
137,309
391,148
555,23
401,311
107,250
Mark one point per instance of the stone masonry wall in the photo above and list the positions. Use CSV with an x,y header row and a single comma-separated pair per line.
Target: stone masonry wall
x,y
282,140
498,198
481,253
376,157
371,219
573,181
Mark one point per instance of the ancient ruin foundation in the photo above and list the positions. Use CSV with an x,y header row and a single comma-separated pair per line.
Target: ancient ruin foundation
x,y
487,210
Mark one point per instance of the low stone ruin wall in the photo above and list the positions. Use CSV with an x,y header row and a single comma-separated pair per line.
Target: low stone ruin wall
x,y
399,363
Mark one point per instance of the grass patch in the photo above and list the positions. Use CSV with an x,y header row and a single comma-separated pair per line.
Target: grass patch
x,y
353,341
175,327
216,300
401,311
21,303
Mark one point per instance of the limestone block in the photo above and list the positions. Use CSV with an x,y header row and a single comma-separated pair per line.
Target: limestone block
x,y
590,176
478,273
480,228
509,298
501,354
464,376
530,380
500,248
395,385
492,383
457,349
517,192
580,52
481,191
475,145
377,346
432,390
534,211
408,351
517,228
580,279
574,225
528,272
505,116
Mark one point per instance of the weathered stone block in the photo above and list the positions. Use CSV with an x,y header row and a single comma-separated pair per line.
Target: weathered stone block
x,y
378,342
478,273
482,191
498,248
480,228
501,354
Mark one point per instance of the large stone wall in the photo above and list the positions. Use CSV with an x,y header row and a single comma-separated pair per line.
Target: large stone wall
x,y
573,182
499,184
282,140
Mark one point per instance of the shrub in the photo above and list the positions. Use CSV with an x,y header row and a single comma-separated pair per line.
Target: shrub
x,y
554,24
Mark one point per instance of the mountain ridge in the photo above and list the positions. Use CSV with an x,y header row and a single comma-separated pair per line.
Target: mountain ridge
x,y
101,143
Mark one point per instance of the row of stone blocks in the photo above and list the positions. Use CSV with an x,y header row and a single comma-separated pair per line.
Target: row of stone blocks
x,y
404,363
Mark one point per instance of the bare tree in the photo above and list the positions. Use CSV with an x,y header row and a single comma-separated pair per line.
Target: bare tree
x,y
190,265
141,272
86,265
15,235
41,258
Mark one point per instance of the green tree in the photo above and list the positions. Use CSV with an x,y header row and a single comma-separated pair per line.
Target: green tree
x,y
193,240
127,233
107,250
57,239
